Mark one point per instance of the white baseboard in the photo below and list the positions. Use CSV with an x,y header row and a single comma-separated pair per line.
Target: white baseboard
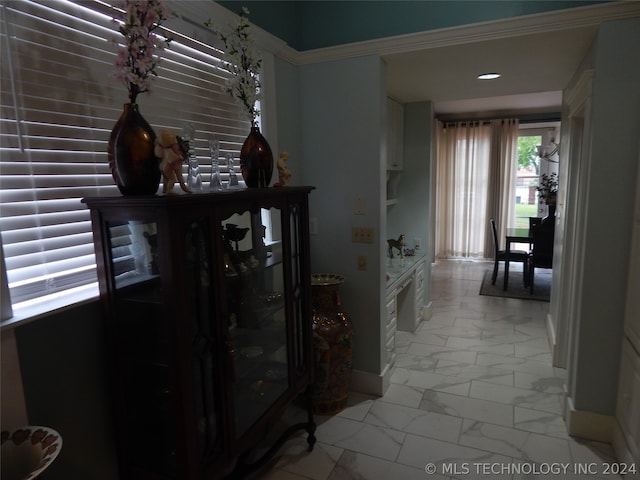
x,y
551,333
371,383
588,425
427,311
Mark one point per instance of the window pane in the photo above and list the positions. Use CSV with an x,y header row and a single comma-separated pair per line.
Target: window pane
x,y
526,180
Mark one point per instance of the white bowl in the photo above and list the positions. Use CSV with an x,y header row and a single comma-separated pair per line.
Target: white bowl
x,y
28,451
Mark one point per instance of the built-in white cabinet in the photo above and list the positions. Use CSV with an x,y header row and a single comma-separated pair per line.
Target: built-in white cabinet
x,y
626,437
395,134
405,291
405,299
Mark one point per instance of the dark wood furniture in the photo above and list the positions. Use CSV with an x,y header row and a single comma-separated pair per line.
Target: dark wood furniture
x,y
534,221
516,235
208,327
505,256
542,253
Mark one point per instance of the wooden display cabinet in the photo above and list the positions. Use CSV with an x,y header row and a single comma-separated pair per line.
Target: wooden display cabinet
x,y
206,302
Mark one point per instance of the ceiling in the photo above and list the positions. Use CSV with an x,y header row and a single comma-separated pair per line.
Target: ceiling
x,y
535,69
537,54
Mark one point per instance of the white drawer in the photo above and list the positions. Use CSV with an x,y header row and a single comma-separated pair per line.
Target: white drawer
x,y
391,350
392,326
419,297
391,308
420,276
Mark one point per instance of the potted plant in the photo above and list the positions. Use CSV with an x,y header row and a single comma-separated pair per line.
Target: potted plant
x,y
130,149
548,194
548,188
243,62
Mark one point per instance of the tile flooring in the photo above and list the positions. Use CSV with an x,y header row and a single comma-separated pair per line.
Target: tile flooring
x,y
473,395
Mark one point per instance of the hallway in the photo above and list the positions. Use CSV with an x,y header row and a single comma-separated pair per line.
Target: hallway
x,y
473,395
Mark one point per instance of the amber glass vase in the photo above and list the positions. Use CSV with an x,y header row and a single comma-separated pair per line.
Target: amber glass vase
x,y
134,166
256,160
332,341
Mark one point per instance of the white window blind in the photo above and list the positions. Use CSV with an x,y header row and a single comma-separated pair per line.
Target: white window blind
x,y
58,103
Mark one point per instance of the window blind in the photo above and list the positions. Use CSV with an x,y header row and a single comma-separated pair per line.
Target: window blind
x,y
58,104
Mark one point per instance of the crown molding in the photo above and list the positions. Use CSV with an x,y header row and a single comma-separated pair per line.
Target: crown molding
x,y
581,91
525,25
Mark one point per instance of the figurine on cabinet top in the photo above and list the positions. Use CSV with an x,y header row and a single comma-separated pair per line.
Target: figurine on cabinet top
x,y
284,174
398,244
171,151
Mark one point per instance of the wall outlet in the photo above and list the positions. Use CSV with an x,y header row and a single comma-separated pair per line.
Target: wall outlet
x,y
362,262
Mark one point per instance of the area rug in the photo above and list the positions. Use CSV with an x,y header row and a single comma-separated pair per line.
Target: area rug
x,y
541,290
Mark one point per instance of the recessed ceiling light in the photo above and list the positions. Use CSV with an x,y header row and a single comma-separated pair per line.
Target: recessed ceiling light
x,y
489,76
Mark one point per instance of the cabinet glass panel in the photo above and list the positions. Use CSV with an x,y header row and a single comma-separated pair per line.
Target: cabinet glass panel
x,y
200,315
142,341
134,252
297,282
255,285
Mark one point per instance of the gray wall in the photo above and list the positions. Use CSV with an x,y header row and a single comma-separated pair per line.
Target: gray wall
x,y
64,374
288,124
612,164
342,107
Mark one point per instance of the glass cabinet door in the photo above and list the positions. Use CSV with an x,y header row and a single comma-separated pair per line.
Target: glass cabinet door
x,y
254,279
141,341
200,322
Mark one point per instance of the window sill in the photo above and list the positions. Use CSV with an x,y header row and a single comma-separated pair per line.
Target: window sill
x,y
48,307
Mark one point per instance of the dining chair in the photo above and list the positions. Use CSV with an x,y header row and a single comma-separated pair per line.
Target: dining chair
x,y
533,221
501,256
542,253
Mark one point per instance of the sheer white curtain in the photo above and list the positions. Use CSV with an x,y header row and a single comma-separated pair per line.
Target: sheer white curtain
x,y
502,174
475,165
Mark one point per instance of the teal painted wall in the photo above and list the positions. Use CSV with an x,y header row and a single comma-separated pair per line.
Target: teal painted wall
x,y
306,25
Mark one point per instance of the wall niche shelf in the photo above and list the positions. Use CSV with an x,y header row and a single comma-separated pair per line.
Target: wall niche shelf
x,y
393,178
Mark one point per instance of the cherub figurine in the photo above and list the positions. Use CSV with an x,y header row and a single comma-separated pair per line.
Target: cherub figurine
x,y
171,152
284,174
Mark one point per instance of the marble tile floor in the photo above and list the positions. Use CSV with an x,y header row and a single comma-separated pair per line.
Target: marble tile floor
x,y
473,396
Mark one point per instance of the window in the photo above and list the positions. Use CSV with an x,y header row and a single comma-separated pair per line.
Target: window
x,y
527,175
59,102
530,167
